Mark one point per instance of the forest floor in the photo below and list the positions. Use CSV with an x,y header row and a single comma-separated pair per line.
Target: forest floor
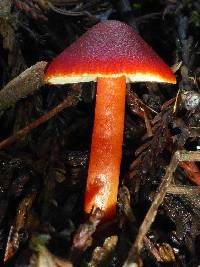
x,y
45,138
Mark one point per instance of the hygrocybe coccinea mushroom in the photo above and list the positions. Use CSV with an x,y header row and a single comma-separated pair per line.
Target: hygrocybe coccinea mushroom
x,y
111,54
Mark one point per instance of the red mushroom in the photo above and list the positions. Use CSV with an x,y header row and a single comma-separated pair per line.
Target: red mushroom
x,y
111,54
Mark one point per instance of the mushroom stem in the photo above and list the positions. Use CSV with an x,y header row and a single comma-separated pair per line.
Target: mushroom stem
x,y
106,148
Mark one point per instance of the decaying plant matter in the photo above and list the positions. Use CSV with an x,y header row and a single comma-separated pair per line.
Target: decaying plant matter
x,y
46,132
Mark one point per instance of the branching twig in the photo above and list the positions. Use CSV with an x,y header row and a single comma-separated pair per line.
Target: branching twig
x,y
179,156
151,214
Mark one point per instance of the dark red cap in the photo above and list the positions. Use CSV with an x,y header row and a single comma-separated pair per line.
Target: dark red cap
x,y
109,49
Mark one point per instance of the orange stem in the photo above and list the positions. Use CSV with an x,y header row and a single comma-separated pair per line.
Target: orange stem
x,y
106,149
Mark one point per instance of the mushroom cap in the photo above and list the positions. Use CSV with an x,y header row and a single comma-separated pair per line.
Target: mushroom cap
x,y
109,49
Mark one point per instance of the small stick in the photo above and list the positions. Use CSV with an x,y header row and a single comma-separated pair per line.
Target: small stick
x,y
189,155
183,190
148,124
27,82
69,101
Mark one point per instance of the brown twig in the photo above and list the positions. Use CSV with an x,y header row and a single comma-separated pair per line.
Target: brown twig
x,y
27,82
183,190
138,108
19,226
69,101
